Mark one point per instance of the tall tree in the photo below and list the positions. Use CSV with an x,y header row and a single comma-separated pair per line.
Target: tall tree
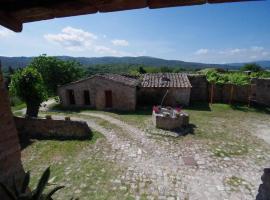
x,y
28,85
56,72
252,67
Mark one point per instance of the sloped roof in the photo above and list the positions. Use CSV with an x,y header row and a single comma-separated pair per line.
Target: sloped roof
x,y
165,80
113,77
13,13
121,79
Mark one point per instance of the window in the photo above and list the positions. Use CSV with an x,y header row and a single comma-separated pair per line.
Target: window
x,y
86,96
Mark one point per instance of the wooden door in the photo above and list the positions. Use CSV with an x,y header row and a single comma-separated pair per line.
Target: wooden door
x,y
108,99
71,97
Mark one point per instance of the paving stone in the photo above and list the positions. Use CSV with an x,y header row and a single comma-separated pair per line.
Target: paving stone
x,y
189,161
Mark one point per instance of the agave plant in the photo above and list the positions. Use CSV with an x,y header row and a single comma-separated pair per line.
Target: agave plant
x,y
24,193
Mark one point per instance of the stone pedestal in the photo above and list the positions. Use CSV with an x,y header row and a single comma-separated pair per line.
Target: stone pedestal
x,y
170,123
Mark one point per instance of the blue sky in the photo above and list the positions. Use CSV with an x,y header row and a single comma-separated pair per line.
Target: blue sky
x,y
218,33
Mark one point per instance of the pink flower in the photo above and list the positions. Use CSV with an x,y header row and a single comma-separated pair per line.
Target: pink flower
x,y
178,109
155,109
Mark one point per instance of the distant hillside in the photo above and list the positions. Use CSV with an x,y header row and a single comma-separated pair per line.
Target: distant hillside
x,y
18,62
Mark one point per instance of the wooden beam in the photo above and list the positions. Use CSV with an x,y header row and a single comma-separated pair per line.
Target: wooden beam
x,y
173,3
230,1
10,22
118,5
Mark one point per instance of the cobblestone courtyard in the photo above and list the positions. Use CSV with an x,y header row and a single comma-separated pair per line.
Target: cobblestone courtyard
x,y
133,161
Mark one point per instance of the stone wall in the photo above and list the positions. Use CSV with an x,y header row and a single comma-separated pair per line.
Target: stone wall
x,y
123,96
153,96
10,155
199,91
262,91
222,93
52,129
258,91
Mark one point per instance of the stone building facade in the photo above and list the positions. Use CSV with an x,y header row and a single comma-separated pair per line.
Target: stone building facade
x,y
109,91
125,93
175,88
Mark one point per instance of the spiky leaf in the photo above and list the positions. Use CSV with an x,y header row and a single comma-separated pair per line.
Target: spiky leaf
x,y
26,181
49,195
41,184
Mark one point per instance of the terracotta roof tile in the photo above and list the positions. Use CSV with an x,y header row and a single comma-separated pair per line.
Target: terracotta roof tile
x,y
176,80
121,79
113,77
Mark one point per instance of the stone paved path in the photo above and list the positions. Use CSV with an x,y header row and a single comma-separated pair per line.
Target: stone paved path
x,y
164,169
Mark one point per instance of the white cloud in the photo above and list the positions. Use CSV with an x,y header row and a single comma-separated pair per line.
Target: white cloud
x,y
105,50
258,49
249,54
235,51
5,32
73,39
120,42
201,52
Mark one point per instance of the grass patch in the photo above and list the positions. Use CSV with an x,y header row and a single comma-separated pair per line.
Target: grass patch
x,y
236,182
96,136
18,107
229,150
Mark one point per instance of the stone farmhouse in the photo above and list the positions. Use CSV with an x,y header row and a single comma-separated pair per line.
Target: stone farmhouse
x,y
119,92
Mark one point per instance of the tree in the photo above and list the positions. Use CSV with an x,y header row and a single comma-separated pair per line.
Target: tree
x,y
141,70
28,85
8,75
56,72
252,67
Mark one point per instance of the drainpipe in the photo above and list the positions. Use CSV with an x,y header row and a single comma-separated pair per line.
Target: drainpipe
x,y
164,97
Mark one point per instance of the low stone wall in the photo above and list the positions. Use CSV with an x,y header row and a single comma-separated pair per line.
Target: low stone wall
x,y
199,91
52,129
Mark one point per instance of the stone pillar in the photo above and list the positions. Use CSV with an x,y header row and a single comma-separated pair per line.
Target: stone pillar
x,y
264,188
10,154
